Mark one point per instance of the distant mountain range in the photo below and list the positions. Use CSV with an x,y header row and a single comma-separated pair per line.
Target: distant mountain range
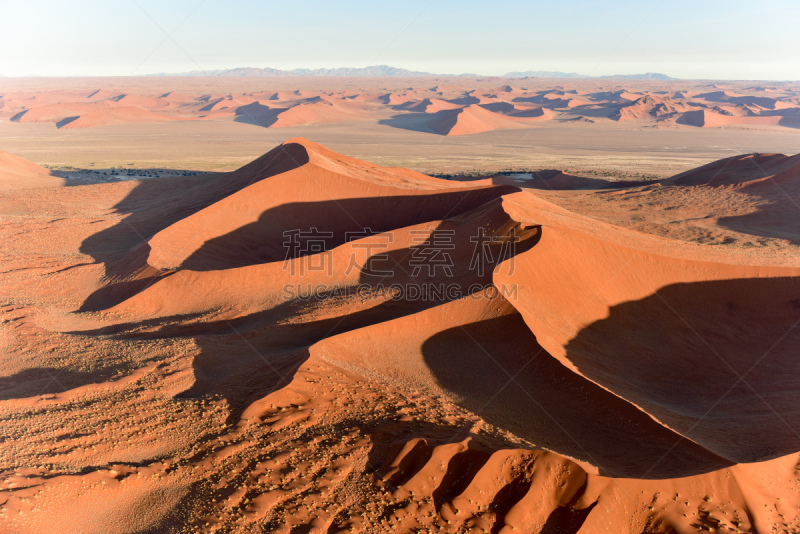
x,y
378,71
645,76
544,74
374,71
553,74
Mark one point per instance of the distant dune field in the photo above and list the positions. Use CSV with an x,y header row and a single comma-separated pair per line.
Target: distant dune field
x,y
656,127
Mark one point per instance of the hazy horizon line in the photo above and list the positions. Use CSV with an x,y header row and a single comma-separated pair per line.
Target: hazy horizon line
x,y
551,74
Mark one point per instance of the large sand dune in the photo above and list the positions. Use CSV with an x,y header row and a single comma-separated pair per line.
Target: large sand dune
x,y
475,119
172,363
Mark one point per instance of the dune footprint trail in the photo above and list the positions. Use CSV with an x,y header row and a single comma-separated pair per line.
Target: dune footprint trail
x,y
314,343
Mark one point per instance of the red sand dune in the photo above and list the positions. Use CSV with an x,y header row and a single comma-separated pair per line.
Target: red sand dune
x,y
82,114
394,99
555,99
446,88
738,170
19,173
560,99
315,176
619,96
228,103
769,181
322,112
57,112
179,97
511,110
475,119
740,99
115,115
717,96
649,107
592,378
507,89
101,94
431,105
656,282
709,119
139,101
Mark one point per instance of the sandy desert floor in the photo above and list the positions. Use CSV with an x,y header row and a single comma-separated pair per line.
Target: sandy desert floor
x,y
318,340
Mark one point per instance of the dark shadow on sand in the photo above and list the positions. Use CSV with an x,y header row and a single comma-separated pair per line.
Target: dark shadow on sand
x,y
416,122
258,114
331,223
552,406
715,361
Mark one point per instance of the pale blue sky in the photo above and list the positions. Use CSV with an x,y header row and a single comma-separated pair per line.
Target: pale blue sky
x,y
733,39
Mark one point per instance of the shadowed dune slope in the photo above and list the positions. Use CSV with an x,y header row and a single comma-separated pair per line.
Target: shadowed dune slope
x,y
479,351
331,194
660,325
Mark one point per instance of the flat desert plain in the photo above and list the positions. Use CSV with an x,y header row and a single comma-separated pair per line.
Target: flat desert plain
x,y
333,305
